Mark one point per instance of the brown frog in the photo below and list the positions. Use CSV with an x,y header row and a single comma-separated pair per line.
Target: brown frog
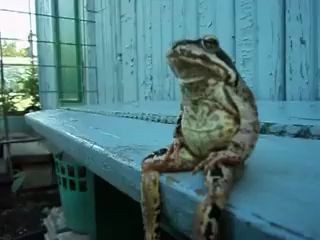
x,y
216,131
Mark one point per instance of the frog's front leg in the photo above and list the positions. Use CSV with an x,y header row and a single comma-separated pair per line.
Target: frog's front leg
x,y
226,157
174,148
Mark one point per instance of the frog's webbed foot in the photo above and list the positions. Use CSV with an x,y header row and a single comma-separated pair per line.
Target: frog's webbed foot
x,y
224,157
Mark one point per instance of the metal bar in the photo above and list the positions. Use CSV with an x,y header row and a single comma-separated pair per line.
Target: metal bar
x,y
45,65
45,15
21,140
55,91
4,112
79,52
49,42
85,91
56,28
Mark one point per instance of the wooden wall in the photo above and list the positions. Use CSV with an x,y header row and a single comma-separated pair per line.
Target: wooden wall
x,y
275,44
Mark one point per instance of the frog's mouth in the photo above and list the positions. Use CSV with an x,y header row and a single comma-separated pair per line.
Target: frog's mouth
x,y
189,67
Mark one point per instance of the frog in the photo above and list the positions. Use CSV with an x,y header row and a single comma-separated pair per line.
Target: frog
x,y
216,131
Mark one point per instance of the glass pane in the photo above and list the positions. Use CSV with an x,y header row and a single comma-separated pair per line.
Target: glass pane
x,y
68,55
69,84
67,30
66,8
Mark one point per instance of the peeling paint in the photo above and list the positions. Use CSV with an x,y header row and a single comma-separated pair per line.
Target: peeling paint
x,y
271,58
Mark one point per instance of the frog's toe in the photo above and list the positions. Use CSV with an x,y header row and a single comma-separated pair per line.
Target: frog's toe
x,y
226,158
155,154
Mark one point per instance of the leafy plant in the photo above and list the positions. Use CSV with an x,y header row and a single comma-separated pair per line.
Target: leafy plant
x,y
9,49
29,85
8,101
26,88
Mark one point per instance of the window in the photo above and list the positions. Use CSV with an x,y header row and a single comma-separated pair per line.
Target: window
x,y
68,51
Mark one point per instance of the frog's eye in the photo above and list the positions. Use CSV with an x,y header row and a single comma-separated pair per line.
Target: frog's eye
x,y
210,43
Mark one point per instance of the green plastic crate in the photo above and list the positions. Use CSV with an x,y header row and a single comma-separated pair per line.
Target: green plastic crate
x,y
76,187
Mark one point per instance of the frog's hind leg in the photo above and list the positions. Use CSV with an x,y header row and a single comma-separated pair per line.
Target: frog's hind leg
x,y
152,166
219,182
150,204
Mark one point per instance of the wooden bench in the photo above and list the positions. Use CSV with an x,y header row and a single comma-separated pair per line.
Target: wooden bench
x,y
277,198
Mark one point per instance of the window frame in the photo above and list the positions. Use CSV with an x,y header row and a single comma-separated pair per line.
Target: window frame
x,y
57,39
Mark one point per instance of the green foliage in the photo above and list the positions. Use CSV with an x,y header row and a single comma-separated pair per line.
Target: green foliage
x,y
8,101
9,49
27,85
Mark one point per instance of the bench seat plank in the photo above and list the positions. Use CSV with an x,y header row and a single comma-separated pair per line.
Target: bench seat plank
x,y
277,198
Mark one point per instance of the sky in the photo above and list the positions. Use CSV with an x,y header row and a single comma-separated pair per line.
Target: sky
x,y
16,25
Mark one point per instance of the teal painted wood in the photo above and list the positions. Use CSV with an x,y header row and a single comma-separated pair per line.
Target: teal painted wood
x,y
132,38
270,78
264,204
245,15
255,33
224,25
147,90
156,50
179,32
297,119
316,13
167,77
141,48
128,50
300,48
88,52
46,55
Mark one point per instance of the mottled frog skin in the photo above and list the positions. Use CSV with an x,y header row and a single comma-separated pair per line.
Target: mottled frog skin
x,y
216,131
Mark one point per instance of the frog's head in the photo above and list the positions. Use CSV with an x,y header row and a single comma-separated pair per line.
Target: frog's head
x,y
199,59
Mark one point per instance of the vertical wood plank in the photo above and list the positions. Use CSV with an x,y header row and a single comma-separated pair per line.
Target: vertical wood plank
x,y
98,37
88,52
269,82
207,17
156,50
191,18
225,25
300,69
167,37
179,32
129,52
104,51
118,82
148,86
48,90
141,48
317,45
276,66
245,13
